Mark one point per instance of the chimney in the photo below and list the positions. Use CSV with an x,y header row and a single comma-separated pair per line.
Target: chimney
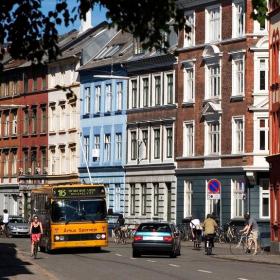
x,y
85,25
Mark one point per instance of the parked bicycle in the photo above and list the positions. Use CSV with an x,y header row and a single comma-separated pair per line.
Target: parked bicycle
x,y
227,234
185,231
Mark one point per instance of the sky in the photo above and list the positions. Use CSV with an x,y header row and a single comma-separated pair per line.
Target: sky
x,y
98,14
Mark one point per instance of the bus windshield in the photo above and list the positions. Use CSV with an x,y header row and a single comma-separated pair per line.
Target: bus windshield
x,y
78,210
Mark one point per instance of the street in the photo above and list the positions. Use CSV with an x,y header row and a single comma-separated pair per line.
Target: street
x,y
116,262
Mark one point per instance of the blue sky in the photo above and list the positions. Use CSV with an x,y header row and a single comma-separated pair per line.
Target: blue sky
x,y
98,14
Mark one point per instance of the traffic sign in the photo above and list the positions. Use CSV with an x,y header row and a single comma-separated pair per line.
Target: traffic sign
x,y
214,186
214,196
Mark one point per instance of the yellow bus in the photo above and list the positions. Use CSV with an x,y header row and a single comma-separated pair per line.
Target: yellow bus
x,y
72,216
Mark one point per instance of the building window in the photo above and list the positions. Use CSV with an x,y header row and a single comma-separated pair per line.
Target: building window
x,y
189,85
7,125
156,199
169,142
26,122
119,96
63,165
145,91
97,100
263,74
62,116
189,39
73,160
144,144
43,120
133,145
107,147
14,163
43,159
35,84
117,197
189,140
156,143
14,124
238,135
73,116
263,134
96,148
213,138
238,17
157,85
169,88
118,146
25,161
213,81
134,93
86,148
213,24
238,77
33,121
264,199
108,102
33,160
53,160
187,199
143,199
237,201
44,82
132,199
87,100
6,164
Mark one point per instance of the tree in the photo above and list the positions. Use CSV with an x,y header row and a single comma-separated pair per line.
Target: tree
x,y
27,33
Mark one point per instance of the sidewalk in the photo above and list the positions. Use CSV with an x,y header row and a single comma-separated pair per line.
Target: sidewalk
x,y
15,265
222,251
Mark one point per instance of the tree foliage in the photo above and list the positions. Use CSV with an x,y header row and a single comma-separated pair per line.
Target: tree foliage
x,y
27,33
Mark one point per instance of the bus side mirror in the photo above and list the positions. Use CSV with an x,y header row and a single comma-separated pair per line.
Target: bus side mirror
x,y
47,205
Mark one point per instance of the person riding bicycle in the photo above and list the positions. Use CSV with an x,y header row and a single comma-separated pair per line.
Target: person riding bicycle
x,y
36,230
5,222
196,229
209,225
251,228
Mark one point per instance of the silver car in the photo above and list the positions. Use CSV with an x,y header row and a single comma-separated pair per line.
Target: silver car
x,y
18,226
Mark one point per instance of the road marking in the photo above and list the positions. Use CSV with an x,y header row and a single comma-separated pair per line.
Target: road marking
x,y
204,271
242,279
151,261
174,265
133,258
119,255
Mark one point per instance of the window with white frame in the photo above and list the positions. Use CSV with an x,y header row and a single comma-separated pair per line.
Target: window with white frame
x,y
213,138
63,165
86,148
156,198
53,161
262,134
132,199
6,164
213,79
237,199
188,139
14,163
213,24
117,197
7,124
187,198
189,37
72,160
118,150
263,75
169,88
44,119
134,146
134,96
87,100
169,142
97,100
238,18
157,90
107,147
238,135
108,103
264,199
156,143
119,96
189,85
51,119
238,77
145,91
73,113
144,144
14,124
62,117
96,147
143,199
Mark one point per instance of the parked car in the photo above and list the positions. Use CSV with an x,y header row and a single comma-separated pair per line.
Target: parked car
x,y
155,238
18,226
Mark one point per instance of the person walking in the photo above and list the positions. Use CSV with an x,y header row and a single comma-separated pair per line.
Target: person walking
x,y
5,222
36,230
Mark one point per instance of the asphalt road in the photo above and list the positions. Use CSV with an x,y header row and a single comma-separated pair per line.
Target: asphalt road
x,y
116,262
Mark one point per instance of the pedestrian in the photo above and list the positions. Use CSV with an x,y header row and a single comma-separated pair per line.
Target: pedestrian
x,y
251,228
5,222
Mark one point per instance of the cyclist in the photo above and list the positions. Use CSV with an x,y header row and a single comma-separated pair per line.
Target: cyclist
x,y
251,228
5,222
209,225
36,230
196,230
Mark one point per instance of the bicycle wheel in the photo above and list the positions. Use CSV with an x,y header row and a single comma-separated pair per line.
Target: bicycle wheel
x,y
35,250
237,248
251,247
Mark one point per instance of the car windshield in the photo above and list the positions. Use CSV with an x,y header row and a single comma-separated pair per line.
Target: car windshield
x,y
78,210
16,220
154,228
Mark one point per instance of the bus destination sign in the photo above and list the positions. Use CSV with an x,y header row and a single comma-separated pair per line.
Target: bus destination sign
x,y
78,192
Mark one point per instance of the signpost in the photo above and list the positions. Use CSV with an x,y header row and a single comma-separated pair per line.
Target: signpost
x,y
214,189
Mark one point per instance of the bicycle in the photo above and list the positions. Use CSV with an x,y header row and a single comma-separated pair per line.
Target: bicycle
x,y
185,232
35,249
246,245
209,239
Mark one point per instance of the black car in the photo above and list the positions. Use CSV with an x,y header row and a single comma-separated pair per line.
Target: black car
x,y
155,238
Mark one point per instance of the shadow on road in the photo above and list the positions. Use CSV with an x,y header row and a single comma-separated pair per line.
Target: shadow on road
x,y
73,251
10,265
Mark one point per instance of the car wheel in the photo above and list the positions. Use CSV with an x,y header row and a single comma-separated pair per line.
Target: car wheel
x,y
135,254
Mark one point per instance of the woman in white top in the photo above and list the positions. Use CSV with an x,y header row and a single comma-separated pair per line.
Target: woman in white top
x,y
5,221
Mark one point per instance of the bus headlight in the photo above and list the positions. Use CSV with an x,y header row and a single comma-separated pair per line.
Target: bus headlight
x,y
103,236
61,238
98,236
56,238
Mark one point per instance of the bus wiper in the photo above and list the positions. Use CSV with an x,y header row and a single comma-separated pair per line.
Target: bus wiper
x,y
67,221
